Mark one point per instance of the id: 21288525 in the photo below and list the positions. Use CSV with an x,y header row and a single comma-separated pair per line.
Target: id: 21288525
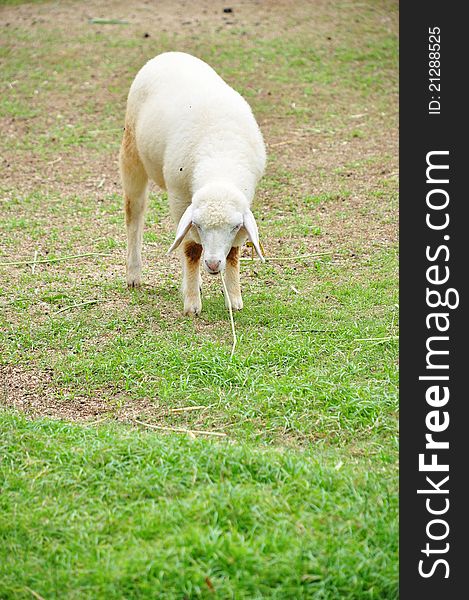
x,y
434,70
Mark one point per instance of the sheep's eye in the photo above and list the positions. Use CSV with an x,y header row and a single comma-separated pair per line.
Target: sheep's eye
x,y
236,227
196,225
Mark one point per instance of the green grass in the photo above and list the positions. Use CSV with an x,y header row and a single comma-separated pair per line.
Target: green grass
x,y
299,499
311,365
113,512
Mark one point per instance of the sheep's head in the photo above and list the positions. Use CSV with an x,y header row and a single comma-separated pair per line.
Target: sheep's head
x,y
218,218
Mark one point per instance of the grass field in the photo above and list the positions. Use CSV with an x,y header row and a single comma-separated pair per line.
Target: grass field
x,y
287,485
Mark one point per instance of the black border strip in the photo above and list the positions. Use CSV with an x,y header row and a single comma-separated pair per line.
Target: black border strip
x,y
423,412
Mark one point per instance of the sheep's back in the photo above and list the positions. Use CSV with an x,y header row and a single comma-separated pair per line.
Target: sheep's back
x,y
181,108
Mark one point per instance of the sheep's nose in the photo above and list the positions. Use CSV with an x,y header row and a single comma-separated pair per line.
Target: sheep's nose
x,y
213,265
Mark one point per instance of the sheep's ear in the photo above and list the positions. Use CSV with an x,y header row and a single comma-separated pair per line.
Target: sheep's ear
x,y
251,227
184,225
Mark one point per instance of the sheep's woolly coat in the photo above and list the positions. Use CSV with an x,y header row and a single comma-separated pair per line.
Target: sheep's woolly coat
x,y
218,204
192,129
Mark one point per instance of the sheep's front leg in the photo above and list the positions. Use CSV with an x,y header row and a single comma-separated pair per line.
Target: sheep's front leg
x,y
191,279
232,279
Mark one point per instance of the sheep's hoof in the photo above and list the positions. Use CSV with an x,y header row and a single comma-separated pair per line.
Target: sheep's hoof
x,y
236,303
134,277
192,309
134,283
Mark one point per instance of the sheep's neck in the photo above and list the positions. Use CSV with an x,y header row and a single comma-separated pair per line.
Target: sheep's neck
x,y
223,167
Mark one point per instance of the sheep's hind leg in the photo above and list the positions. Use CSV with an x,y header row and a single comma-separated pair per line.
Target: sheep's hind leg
x,y
191,279
135,184
232,279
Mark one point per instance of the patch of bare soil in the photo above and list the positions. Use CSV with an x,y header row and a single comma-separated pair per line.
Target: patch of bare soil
x,y
32,392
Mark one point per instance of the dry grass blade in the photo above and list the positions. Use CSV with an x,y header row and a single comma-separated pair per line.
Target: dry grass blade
x,y
99,21
33,266
378,340
230,308
50,260
287,258
188,409
78,305
55,161
35,594
181,429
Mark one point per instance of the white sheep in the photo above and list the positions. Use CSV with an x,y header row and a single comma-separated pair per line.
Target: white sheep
x,y
196,137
